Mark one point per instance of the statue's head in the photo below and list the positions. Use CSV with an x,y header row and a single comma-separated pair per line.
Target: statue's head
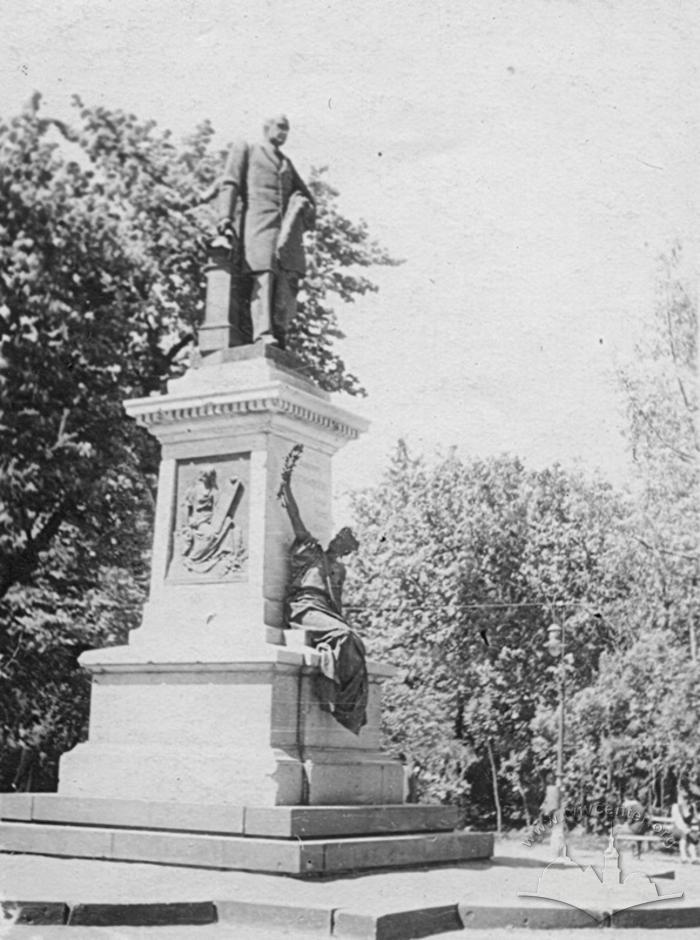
x,y
207,477
276,129
343,543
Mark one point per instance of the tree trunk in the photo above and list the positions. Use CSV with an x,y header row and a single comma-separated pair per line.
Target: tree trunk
x,y
693,643
521,791
494,784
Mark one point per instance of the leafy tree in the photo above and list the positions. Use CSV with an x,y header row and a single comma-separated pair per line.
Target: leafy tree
x,y
465,565
635,723
660,386
462,567
103,224
660,393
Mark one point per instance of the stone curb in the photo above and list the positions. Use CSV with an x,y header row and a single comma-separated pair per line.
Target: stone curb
x,y
343,922
308,921
49,913
110,915
142,915
399,925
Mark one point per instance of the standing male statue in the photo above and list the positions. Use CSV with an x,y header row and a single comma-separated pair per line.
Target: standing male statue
x,y
266,207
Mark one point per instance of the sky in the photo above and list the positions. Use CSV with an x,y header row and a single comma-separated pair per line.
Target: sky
x,y
528,161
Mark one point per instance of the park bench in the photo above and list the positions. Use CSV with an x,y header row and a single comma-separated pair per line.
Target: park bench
x,y
660,832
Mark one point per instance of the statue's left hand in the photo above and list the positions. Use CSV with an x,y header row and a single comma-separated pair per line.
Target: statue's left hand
x,y
309,214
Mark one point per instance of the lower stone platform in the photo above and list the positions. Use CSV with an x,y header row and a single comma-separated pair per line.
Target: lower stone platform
x,y
288,840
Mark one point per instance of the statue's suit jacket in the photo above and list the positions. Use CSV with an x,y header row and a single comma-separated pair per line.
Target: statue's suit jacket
x,y
258,185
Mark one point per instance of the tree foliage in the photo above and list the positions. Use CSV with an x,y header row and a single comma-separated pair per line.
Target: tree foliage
x,y
660,385
463,567
660,392
635,725
636,722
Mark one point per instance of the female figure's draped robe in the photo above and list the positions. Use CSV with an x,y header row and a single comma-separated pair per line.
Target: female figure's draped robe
x,y
314,603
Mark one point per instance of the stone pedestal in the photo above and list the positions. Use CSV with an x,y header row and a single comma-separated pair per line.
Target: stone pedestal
x,y
201,706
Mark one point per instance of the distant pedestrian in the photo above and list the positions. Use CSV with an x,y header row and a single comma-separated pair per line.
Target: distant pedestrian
x,y
551,803
685,827
633,813
410,779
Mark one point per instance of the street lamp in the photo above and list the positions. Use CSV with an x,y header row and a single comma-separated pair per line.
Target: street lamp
x,y
555,645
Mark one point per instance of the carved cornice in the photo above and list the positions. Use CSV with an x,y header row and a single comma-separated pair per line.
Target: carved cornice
x,y
159,411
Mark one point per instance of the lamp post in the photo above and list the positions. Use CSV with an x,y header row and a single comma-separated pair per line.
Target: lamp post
x,y
555,645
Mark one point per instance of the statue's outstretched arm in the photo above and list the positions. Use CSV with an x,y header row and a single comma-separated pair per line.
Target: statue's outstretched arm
x,y
285,492
290,504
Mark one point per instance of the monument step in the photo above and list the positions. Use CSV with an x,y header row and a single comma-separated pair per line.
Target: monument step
x,y
295,857
279,822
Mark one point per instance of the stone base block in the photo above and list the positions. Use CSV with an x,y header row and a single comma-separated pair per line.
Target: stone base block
x,y
242,731
269,777
181,774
